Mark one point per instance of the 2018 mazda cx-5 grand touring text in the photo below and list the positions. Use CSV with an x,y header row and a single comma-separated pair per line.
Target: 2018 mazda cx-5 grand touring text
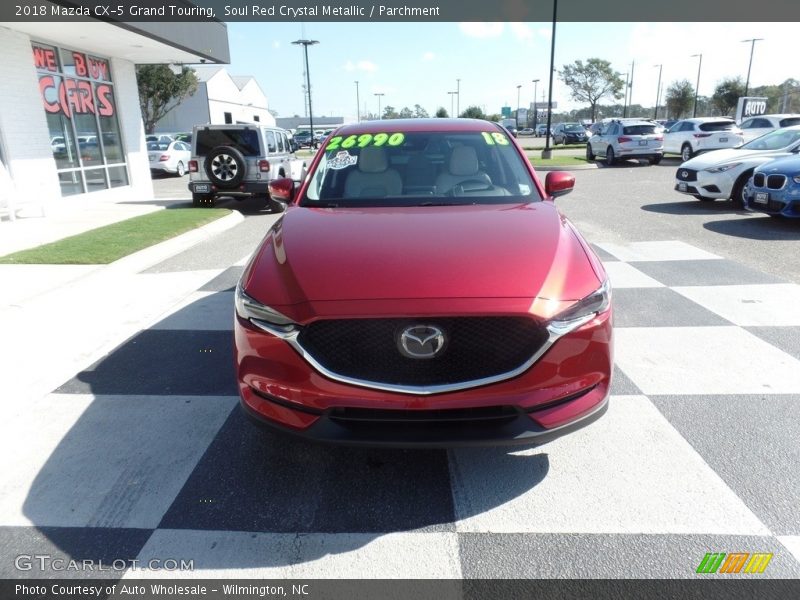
x,y
422,289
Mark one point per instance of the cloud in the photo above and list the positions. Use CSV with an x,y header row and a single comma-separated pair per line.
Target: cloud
x,y
362,65
521,31
481,30
428,56
276,44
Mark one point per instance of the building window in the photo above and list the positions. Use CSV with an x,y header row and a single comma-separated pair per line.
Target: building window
x,y
78,96
228,118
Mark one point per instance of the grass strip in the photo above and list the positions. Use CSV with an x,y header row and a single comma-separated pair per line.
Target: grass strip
x,y
109,243
557,161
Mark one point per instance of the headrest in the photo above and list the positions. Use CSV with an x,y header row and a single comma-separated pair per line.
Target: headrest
x,y
372,160
463,161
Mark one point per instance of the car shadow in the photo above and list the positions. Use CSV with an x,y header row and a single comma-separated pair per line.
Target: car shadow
x,y
696,207
757,227
158,459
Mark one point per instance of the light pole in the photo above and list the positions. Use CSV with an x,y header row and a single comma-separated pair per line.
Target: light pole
x,y
697,87
630,85
379,95
625,97
452,94
535,110
547,152
306,44
752,47
358,102
516,116
458,97
658,91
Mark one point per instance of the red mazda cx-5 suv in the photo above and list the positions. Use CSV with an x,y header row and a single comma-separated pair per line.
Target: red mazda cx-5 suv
x,y
422,289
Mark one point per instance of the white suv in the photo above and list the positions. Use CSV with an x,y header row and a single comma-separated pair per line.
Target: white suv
x,y
239,161
757,126
690,136
626,138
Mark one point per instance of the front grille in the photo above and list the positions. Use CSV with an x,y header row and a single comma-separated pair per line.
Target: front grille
x,y
477,347
686,174
776,182
758,180
453,415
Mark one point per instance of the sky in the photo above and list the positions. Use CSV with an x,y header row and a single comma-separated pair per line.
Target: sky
x,y
419,63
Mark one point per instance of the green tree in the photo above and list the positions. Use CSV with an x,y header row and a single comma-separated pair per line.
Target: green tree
x,y
405,113
161,90
473,112
726,95
441,113
679,98
420,112
592,81
390,113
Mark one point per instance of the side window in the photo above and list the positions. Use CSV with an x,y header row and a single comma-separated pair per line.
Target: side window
x,y
688,126
761,123
271,147
281,147
287,147
749,124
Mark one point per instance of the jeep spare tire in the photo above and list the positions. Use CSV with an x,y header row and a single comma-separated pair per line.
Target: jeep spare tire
x,y
225,167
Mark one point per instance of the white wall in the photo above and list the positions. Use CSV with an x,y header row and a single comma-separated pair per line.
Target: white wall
x,y
23,126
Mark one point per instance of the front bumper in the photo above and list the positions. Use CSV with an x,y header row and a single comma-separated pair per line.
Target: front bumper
x,y
567,388
782,203
709,185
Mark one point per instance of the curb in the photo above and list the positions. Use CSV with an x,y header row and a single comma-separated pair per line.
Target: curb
x,y
147,257
587,167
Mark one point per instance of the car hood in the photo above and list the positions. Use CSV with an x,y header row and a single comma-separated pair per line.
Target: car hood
x,y
788,165
720,157
455,252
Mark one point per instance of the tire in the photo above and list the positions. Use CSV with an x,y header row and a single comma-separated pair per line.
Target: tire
x,y
180,170
686,152
589,154
655,160
610,158
225,167
737,196
203,201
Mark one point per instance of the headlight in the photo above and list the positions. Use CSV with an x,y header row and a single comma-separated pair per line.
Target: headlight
x,y
723,168
582,311
260,314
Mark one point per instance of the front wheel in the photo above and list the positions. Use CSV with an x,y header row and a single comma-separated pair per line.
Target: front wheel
x,y
738,195
589,154
610,158
655,160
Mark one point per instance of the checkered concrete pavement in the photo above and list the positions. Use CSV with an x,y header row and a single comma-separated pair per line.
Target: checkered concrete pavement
x,y
145,455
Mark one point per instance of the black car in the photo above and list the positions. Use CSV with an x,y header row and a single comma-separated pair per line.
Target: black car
x,y
569,133
302,138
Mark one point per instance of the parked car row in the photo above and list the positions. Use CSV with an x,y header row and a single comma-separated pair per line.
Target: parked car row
x,y
731,173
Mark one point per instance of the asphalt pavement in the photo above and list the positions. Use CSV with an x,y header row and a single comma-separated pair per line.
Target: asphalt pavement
x,y
140,451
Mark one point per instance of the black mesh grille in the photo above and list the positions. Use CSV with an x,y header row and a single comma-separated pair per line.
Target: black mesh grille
x,y
454,415
758,180
686,175
775,182
477,347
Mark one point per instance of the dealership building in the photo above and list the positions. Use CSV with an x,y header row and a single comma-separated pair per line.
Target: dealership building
x,y
70,121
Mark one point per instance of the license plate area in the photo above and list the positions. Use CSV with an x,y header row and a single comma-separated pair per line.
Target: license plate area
x,y
682,186
761,198
722,140
643,142
202,187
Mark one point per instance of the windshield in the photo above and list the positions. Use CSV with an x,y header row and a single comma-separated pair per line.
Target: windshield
x,y
717,126
244,140
639,129
774,140
419,169
574,127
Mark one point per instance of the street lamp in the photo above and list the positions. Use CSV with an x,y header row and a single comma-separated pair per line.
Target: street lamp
x,y
535,109
306,44
358,103
625,96
458,97
547,152
379,95
516,117
697,87
752,47
452,94
658,91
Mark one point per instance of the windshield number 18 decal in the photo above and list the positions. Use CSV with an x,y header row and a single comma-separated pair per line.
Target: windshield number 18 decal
x,y
366,139
495,138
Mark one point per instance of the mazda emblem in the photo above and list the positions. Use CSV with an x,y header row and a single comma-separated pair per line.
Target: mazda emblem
x,y
421,341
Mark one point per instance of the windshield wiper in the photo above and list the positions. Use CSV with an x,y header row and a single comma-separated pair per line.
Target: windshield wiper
x,y
445,203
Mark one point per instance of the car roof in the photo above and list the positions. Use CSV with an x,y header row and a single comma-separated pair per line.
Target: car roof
x,y
708,119
418,125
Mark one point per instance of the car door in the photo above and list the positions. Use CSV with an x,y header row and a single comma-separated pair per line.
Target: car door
x,y
755,127
671,138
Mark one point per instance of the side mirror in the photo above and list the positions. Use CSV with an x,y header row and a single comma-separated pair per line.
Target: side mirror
x,y
281,189
558,183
